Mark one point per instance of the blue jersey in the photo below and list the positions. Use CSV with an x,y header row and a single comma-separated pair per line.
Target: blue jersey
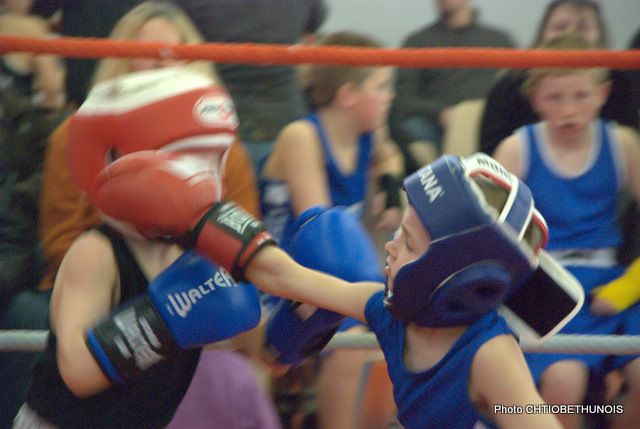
x,y
581,209
344,190
439,396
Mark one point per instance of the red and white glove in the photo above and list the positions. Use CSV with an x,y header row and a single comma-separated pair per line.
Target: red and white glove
x,y
162,196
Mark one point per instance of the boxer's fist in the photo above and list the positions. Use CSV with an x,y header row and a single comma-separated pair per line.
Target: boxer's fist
x,y
229,236
190,304
160,194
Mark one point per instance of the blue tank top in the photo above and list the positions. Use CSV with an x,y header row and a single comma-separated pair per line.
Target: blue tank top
x,y
439,396
344,190
581,210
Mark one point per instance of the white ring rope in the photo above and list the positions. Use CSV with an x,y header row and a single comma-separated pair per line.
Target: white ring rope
x,y
34,341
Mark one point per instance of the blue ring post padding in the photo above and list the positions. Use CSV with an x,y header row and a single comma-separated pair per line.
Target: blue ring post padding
x,y
103,360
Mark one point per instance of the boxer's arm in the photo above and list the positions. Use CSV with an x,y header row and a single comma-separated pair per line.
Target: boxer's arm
x,y
500,376
273,271
299,161
83,293
509,154
139,189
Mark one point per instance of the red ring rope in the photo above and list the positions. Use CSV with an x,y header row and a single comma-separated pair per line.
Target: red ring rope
x,y
264,54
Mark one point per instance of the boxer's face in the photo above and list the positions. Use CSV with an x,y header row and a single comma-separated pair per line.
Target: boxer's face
x,y
373,99
408,244
156,30
569,103
568,19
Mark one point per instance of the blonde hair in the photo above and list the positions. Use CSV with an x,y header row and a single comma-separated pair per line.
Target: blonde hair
x,y
128,26
323,81
566,42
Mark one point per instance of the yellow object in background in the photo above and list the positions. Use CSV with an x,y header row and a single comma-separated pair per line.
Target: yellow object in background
x,y
624,291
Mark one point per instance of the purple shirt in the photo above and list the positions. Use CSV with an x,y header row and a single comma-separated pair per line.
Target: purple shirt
x,y
225,393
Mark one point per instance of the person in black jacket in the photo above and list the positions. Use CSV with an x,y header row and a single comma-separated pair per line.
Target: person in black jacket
x,y
421,110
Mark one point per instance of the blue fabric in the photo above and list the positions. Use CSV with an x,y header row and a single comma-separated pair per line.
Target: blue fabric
x,y
580,211
200,303
344,190
439,396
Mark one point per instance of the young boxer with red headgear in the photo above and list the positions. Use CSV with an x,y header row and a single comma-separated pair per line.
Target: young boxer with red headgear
x,y
470,241
129,314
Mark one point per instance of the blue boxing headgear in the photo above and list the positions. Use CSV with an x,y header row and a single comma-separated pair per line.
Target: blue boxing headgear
x,y
477,255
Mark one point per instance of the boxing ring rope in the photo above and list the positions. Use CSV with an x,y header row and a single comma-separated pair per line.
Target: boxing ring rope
x,y
264,54
34,341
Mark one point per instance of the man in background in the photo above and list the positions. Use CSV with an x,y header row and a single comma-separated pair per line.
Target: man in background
x,y
424,97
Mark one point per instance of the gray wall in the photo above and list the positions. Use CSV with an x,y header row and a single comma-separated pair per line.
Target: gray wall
x,y
391,20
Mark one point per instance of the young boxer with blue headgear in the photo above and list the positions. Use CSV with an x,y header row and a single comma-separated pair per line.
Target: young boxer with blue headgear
x,y
458,255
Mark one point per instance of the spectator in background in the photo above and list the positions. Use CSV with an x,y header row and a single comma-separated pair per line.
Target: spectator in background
x,y
332,157
86,18
39,77
266,97
584,159
31,101
507,108
424,96
634,77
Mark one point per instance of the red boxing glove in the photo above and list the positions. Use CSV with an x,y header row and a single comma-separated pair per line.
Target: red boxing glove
x,y
158,193
162,195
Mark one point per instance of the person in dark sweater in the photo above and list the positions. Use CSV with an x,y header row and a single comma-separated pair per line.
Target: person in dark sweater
x,y
507,108
421,111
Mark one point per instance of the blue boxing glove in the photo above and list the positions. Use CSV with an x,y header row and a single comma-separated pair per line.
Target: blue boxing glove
x,y
328,240
191,303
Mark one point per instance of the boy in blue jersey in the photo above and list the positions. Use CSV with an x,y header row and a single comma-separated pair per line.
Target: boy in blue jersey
x,y
333,157
584,160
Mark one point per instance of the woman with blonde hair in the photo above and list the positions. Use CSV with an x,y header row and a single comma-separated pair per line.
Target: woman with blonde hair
x,y
152,21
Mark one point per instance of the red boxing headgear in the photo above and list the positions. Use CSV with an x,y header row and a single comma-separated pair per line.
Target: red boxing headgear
x,y
171,109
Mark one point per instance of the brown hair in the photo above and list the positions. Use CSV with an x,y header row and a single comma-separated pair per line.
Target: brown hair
x,y
566,42
579,6
323,81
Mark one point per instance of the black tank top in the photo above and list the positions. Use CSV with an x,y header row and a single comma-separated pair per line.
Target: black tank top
x,y
146,403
